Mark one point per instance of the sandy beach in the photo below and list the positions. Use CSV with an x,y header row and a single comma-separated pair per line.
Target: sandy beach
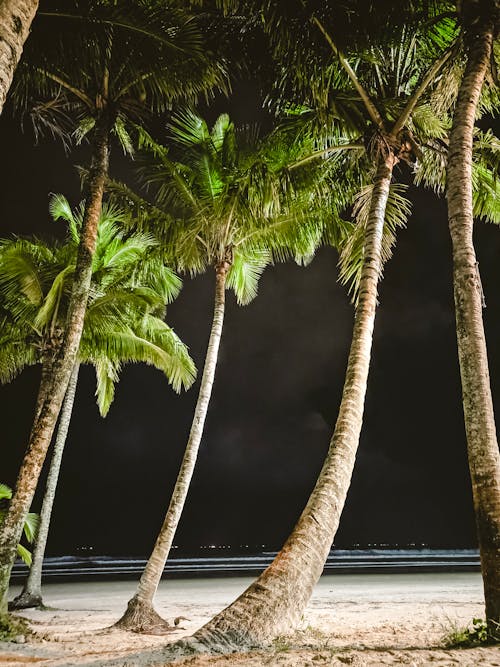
x,y
379,619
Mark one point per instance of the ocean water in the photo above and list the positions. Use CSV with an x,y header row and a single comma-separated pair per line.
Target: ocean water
x,y
345,561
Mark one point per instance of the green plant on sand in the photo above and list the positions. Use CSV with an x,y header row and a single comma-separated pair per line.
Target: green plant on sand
x,y
476,633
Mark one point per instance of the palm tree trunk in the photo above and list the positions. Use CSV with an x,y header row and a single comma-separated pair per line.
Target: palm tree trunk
x,y
15,22
275,602
482,445
31,595
44,426
43,389
140,615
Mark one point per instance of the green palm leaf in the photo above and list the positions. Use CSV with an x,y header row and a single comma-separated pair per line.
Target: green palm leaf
x,y
397,212
107,374
15,353
59,208
48,313
5,491
30,526
431,173
19,270
24,555
245,272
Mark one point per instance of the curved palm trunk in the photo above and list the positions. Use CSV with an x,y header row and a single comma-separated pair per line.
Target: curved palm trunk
x,y
140,615
44,426
31,595
15,22
482,445
275,602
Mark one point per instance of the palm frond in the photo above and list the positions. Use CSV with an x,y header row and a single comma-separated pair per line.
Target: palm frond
x,y
485,193
180,370
123,135
188,130
430,170
59,207
161,350
48,314
83,128
245,272
18,349
161,278
20,261
31,525
107,375
24,554
5,491
431,173
398,210
118,300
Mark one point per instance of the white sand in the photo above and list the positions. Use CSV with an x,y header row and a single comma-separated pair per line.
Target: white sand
x,y
385,619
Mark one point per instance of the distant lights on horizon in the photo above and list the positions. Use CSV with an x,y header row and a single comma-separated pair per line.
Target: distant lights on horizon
x,y
232,546
354,545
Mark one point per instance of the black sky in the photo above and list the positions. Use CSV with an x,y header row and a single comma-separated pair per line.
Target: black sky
x,y
276,394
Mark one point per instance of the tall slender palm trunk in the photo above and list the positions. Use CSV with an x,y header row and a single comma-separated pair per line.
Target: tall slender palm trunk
x,y
15,22
44,426
140,615
31,595
275,602
482,445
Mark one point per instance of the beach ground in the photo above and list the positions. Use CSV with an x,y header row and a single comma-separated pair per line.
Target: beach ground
x,y
361,619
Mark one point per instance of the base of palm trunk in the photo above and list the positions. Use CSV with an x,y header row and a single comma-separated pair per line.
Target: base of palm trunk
x,y
222,641
26,600
142,618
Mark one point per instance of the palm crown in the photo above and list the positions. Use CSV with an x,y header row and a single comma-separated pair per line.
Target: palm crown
x,y
225,195
392,94
120,60
124,320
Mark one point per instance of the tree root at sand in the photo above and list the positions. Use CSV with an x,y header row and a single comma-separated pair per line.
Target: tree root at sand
x,y
26,601
142,618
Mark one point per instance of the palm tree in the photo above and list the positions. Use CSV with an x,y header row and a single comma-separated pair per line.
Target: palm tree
x,y
109,64
123,323
223,204
379,111
466,170
15,22
480,25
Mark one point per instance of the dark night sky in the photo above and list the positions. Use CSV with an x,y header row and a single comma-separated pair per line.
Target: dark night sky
x,y
276,394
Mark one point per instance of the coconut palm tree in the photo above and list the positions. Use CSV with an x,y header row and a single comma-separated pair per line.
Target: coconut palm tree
x,y
466,169
225,204
123,323
480,25
375,100
15,22
109,63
